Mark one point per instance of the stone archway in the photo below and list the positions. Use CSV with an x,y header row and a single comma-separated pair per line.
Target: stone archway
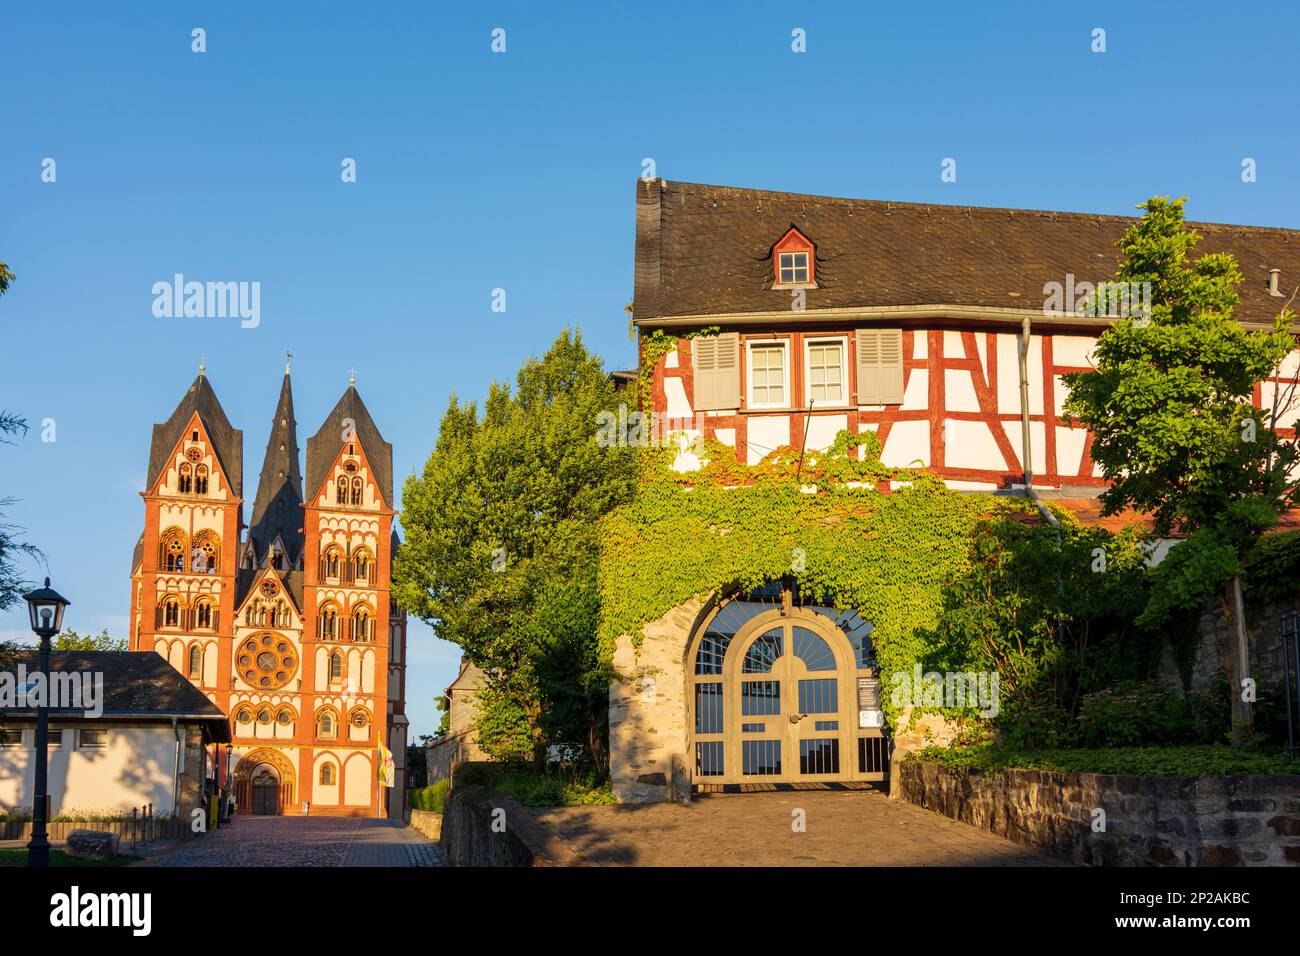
x,y
654,715
259,770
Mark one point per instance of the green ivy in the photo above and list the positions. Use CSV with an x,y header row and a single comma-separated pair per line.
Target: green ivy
x,y
730,525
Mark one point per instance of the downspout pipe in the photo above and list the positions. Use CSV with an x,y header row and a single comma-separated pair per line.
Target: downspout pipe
x,y
176,769
1026,458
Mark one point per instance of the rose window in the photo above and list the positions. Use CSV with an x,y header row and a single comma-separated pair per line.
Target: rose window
x,y
267,661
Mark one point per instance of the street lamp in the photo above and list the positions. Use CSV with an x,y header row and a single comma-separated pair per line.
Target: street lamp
x,y
45,605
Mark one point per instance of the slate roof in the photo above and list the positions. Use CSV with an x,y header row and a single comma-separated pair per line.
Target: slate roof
x,y
137,684
227,442
706,250
323,447
278,507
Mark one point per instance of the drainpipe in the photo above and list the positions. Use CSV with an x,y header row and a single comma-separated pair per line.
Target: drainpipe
x,y
176,770
1024,427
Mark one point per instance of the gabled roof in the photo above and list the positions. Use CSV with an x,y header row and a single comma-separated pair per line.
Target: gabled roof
x,y
705,250
323,447
278,508
137,685
227,442
247,579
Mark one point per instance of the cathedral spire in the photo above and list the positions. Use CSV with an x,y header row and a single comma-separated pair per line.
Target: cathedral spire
x,y
277,511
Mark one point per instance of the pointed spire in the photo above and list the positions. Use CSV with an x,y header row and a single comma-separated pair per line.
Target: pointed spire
x,y
277,511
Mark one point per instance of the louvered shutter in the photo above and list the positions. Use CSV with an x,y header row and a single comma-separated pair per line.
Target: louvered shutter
x,y
717,371
880,366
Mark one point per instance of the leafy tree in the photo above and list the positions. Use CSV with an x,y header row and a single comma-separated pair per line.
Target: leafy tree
x,y
500,553
12,582
70,640
1173,424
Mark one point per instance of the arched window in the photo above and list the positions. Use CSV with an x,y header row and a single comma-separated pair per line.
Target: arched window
x,y
207,547
203,613
328,622
327,774
336,667
171,551
358,488
185,482
341,496
196,662
327,725
201,480
171,611
285,716
361,624
361,565
332,563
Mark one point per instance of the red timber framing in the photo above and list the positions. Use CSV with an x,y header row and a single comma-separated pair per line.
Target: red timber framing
x,y
934,352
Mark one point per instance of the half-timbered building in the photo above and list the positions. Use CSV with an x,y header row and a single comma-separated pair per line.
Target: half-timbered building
x,y
946,330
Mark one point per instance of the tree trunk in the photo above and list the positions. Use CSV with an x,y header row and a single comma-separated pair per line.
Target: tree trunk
x,y
1243,710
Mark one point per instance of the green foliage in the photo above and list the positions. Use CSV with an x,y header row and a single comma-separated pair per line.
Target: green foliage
x,y
555,787
730,525
1133,713
6,278
1272,567
500,550
432,798
1142,761
653,346
1050,610
70,640
12,582
1170,409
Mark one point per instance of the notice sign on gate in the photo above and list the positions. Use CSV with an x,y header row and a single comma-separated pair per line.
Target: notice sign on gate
x,y
869,712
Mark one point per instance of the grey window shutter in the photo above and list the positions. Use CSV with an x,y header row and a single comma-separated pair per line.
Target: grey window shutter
x,y
880,366
717,371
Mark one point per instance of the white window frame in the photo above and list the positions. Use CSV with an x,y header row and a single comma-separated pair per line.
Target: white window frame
x,y
81,738
845,392
805,283
16,739
749,372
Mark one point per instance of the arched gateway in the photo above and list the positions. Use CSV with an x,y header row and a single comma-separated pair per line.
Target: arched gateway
x,y
264,783
759,689
783,692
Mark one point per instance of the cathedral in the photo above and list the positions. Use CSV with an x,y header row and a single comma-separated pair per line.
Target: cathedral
x,y
286,623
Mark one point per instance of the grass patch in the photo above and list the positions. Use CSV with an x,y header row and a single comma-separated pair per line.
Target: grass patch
x,y
1216,761
18,857
556,788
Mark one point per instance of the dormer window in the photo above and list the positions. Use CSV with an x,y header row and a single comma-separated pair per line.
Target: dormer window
x,y
793,261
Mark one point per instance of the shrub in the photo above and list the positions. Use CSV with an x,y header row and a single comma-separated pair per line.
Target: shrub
x,y
1142,761
1132,713
432,798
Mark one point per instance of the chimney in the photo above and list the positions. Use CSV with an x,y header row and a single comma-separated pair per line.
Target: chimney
x,y
1273,275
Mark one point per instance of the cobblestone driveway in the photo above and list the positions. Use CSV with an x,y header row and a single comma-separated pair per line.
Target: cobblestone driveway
x,y
307,841
863,828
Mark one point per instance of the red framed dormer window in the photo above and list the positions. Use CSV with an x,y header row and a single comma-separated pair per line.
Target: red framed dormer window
x,y
794,262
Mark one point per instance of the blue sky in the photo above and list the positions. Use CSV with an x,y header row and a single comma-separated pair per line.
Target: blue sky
x,y
479,171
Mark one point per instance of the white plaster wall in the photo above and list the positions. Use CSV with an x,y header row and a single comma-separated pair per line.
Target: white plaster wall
x,y
358,783
135,768
767,432
822,430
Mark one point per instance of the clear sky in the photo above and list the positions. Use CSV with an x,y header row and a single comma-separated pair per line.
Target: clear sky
x,y
479,170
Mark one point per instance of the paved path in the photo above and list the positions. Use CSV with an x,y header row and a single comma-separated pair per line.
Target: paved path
x,y
843,829
306,841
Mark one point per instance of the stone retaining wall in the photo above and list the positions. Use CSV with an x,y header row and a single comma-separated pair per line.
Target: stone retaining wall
x,y
470,839
427,822
1149,821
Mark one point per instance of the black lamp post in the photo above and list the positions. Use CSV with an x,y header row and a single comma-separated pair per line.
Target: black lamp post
x,y
46,608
